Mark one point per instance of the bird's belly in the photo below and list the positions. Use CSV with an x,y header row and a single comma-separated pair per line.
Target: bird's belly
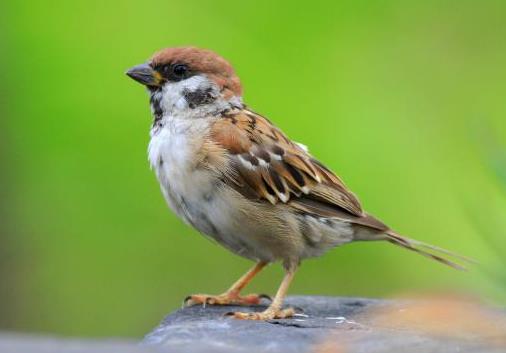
x,y
249,230
257,232
215,211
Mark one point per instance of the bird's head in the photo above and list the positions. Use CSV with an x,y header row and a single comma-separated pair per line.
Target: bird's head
x,y
188,78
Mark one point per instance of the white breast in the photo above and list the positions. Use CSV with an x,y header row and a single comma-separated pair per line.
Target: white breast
x,y
173,155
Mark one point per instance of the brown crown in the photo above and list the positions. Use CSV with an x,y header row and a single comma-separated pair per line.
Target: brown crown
x,y
203,61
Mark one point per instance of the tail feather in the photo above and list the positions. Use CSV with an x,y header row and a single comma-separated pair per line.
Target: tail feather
x,y
427,250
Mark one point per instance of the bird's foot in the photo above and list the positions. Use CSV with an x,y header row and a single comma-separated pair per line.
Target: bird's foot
x,y
227,298
268,314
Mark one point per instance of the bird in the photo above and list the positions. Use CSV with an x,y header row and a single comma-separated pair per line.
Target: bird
x,y
233,175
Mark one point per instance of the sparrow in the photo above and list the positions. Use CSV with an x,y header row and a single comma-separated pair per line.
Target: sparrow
x,y
230,173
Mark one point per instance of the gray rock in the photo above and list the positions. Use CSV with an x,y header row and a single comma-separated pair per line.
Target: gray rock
x,y
26,343
330,325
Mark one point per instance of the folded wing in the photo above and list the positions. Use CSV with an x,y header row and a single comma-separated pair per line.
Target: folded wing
x,y
266,165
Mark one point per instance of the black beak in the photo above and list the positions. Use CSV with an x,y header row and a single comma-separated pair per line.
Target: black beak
x,y
144,74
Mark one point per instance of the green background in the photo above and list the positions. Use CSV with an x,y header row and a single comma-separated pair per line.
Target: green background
x,y
404,99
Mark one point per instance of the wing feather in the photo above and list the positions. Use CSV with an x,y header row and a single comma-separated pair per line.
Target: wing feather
x,y
273,167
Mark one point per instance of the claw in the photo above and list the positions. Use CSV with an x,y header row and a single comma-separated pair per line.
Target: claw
x,y
265,296
298,309
185,301
192,300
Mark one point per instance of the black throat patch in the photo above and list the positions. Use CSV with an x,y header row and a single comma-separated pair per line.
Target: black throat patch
x,y
199,97
154,100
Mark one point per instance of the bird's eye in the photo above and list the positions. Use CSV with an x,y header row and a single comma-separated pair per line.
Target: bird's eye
x,y
173,72
180,70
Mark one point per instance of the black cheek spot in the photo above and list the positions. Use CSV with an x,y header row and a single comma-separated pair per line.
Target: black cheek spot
x,y
199,97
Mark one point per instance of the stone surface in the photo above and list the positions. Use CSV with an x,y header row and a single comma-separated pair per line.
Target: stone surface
x,y
24,343
327,325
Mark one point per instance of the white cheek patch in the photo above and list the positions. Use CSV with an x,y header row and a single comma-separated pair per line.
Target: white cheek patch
x,y
173,92
195,83
172,97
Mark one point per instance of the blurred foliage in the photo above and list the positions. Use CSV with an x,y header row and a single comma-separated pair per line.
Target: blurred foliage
x,y
389,94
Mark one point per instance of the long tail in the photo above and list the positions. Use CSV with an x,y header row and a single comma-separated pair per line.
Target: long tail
x,y
427,250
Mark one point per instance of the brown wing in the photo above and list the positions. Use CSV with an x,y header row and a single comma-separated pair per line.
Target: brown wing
x,y
265,164
262,163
